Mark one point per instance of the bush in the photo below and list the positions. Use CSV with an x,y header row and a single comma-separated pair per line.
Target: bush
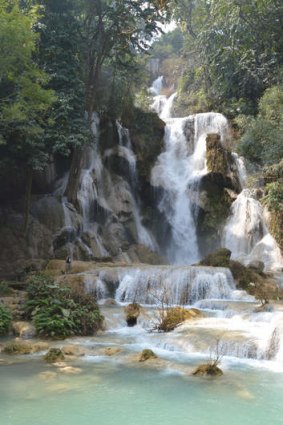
x,y
5,289
58,312
5,320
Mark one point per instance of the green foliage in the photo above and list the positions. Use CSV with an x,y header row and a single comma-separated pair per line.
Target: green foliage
x,y
274,196
262,140
57,312
24,100
237,46
5,320
4,288
60,45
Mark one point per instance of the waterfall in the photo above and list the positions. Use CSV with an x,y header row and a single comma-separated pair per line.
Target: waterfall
x,y
125,149
156,86
178,171
170,285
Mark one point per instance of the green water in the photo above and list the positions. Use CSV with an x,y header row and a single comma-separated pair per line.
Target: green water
x,y
110,393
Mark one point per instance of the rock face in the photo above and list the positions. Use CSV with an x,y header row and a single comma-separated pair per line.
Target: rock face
x,y
95,210
218,189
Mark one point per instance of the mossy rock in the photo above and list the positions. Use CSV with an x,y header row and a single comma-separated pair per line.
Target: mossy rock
x,y
216,156
147,354
219,258
132,312
208,369
17,347
54,355
175,316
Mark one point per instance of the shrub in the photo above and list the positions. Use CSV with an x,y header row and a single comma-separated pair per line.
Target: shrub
x,y
5,289
58,312
5,320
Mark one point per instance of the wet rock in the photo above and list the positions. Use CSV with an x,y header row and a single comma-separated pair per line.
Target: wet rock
x,y
208,369
39,346
112,351
70,370
54,355
132,312
23,329
147,354
142,254
110,302
72,350
49,212
257,266
17,347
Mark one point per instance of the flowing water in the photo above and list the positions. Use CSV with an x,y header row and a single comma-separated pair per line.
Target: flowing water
x,y
248,340
118,389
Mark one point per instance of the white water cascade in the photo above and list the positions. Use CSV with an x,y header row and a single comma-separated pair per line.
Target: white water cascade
x,y
126,151
178,171
246,233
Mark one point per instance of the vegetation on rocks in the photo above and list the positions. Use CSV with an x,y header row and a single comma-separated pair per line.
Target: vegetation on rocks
x,y
57,312
174,316
54,355
5,320
147,354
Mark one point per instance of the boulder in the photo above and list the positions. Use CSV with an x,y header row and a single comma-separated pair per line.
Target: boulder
x,y
24,329
147,354
132,312
17,347
208,369
111,351
54,355
72,350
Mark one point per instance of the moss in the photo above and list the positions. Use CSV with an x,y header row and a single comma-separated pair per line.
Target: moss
x,y
216,156
54,355
243,275
218,258
17,347
147,354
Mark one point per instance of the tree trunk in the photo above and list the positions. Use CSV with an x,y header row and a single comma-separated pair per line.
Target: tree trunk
x,y
74,176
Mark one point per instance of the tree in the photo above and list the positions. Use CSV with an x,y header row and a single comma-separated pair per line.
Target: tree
x,y
24,100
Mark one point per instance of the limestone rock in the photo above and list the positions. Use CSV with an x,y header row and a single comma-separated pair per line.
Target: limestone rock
x,y
147,354
24,329
54,355
132,312
17,347
112,351
72,350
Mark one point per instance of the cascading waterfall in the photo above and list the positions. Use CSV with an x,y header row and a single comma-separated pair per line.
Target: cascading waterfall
x,y
246,233
125,147
178,171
